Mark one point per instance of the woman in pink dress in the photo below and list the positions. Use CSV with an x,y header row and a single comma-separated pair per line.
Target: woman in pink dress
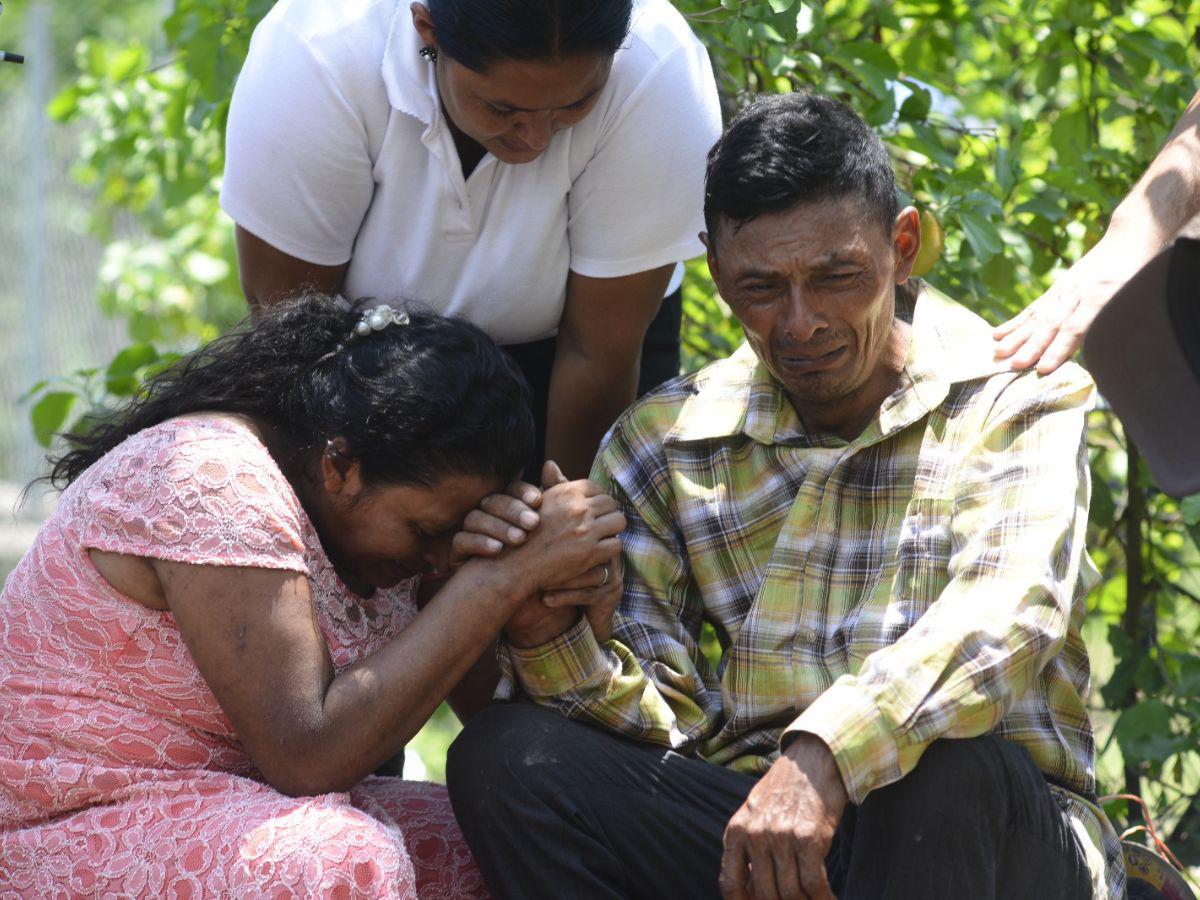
x,y
215,639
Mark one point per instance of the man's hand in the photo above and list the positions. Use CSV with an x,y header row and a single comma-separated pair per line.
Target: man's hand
x,y
775,845
545,616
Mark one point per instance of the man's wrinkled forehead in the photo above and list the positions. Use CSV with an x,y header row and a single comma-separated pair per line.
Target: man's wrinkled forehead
x,y
829,230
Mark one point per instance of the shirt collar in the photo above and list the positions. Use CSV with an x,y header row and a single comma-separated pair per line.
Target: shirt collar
x,y
950,345
409,79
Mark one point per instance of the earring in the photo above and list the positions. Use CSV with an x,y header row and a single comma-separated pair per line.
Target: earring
x,y
429,54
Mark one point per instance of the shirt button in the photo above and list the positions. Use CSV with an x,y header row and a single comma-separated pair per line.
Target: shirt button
x,y
809,635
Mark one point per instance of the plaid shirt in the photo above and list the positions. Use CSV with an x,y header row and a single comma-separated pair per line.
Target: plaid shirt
x,y
924,580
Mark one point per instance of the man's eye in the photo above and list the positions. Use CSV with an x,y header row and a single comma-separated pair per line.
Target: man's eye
x,y
497,111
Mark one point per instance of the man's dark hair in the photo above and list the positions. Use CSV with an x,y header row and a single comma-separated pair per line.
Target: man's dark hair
x,y
414,402
477,33
786,149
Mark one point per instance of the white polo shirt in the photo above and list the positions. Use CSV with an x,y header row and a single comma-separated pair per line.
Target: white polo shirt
x,y
338,150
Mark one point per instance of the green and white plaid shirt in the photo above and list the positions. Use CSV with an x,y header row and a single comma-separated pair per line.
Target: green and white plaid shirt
x,y
925,580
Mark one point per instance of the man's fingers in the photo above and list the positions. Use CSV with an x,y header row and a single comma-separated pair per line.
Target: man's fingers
x,y
762,871
1070,336
813,880
611,524
1012,342
601,504
787,871
602,576
734,881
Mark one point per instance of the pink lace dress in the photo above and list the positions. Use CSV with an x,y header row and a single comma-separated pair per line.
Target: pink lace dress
x,y
119,773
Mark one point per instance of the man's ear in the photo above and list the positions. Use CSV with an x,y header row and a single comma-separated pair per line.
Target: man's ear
x,y
424,24
341,473
711,252
906,241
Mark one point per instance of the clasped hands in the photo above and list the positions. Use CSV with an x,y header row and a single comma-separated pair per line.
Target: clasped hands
x,y
565,535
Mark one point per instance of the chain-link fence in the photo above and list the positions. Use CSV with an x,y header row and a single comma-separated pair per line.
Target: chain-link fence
x,y
49,322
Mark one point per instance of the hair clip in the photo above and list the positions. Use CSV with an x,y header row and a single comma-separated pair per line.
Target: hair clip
x,y
378,319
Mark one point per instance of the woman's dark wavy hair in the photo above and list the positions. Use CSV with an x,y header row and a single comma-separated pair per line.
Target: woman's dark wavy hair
x,y
414,402
786,149
477,33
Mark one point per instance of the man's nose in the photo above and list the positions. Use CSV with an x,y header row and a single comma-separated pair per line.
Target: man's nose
x,y
804,320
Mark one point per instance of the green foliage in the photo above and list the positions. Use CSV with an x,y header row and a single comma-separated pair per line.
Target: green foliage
x,y
1015,126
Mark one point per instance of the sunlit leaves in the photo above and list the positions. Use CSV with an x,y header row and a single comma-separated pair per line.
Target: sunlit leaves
x,y
49,414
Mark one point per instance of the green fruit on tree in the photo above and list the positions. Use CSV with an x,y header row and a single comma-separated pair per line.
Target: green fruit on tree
x,y
932,241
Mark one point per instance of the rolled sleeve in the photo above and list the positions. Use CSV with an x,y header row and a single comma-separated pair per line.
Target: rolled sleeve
x,y
862,742
562,666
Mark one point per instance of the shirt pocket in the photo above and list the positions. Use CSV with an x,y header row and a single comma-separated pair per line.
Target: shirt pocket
x,y
920,572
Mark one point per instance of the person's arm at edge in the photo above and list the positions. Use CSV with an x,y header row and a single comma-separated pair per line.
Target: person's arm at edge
x,y
1165,198
596,363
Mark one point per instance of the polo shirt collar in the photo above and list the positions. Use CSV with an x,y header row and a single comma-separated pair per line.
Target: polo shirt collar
x,y
409,78
950,345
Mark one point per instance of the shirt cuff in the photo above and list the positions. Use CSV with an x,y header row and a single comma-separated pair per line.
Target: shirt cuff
x,y
862,744
562,665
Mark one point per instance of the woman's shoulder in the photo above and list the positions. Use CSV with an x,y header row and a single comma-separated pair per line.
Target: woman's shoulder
x,y
661,66
198,488
347,38
658,30
221,450
333,22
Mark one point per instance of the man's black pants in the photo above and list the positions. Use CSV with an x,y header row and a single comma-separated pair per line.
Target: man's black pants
x,y
555,809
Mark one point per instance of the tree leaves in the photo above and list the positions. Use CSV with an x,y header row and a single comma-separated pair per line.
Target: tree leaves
x,y
50,413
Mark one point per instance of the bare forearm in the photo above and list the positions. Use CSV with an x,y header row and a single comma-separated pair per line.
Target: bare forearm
x,y
269,275
1168,195
372,709
586,396
476,688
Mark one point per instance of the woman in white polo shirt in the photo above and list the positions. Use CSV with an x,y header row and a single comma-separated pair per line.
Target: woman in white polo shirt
x,y
535,166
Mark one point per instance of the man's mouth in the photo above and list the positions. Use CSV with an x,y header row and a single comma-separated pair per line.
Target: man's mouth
x,y
809,363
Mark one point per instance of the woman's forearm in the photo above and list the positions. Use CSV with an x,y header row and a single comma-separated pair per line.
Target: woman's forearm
x,y
595,373
586,396
373,708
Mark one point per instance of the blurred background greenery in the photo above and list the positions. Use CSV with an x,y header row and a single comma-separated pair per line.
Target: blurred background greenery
x,y
1015,127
